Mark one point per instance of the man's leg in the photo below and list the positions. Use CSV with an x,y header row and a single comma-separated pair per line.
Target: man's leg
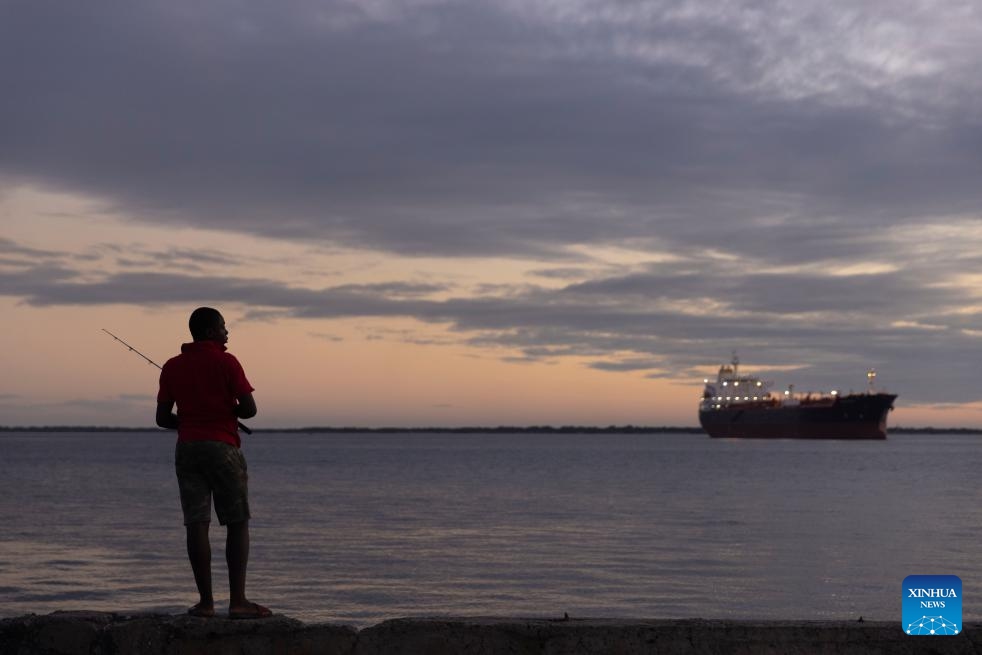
x,y
196,506
237,557
232,507
199,552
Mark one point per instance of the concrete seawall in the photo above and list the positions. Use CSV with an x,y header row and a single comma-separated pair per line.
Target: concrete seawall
x,y
99,633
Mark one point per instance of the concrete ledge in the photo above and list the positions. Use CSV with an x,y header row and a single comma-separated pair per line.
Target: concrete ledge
x,y
99,633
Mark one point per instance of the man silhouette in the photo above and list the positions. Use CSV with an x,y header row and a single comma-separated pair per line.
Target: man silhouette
x,y
211,392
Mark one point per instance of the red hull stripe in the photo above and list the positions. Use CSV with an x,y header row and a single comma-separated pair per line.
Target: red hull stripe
x,y
801,431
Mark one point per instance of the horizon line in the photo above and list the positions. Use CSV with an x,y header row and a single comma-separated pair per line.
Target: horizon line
x,y
475,429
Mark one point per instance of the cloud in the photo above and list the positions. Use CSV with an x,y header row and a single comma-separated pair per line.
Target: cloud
x,y
517,129
333,338
627,365
669,322
137,398
14,253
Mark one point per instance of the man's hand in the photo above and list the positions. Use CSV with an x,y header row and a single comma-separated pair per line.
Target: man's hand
x,y
246,407
166,418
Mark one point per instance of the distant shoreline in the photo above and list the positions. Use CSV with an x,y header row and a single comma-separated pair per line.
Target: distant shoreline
x,y
504,429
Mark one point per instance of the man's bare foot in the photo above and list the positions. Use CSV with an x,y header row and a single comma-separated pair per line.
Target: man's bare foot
x,y
202,610
249,611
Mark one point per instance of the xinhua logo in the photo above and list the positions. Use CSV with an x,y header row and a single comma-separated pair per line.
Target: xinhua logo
x,y
932,605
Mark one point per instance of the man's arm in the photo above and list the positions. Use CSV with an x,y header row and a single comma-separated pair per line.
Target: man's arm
x,y
166,418
246,407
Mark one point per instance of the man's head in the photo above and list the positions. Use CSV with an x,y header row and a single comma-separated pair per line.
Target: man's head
x,y
207,324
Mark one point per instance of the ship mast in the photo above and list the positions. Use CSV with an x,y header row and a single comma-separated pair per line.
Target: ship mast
x,y
871,381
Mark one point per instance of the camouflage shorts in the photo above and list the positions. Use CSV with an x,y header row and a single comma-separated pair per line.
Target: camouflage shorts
x,y
212,467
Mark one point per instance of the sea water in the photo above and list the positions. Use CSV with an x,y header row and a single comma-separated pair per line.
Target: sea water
x,y
358,528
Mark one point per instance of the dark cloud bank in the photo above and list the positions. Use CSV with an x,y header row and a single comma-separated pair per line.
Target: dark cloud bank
x,y
767,146
646,322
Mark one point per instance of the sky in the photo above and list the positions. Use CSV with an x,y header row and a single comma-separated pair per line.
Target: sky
x,y
440,213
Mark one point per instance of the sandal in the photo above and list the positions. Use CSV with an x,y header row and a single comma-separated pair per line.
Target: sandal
x,y
254,611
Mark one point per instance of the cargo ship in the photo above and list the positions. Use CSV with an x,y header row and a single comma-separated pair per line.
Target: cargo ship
x,y
740,406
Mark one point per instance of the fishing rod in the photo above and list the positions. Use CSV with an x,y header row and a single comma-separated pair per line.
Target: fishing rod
x,y
150,361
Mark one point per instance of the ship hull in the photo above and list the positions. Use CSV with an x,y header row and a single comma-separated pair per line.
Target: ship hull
x,y
856,416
